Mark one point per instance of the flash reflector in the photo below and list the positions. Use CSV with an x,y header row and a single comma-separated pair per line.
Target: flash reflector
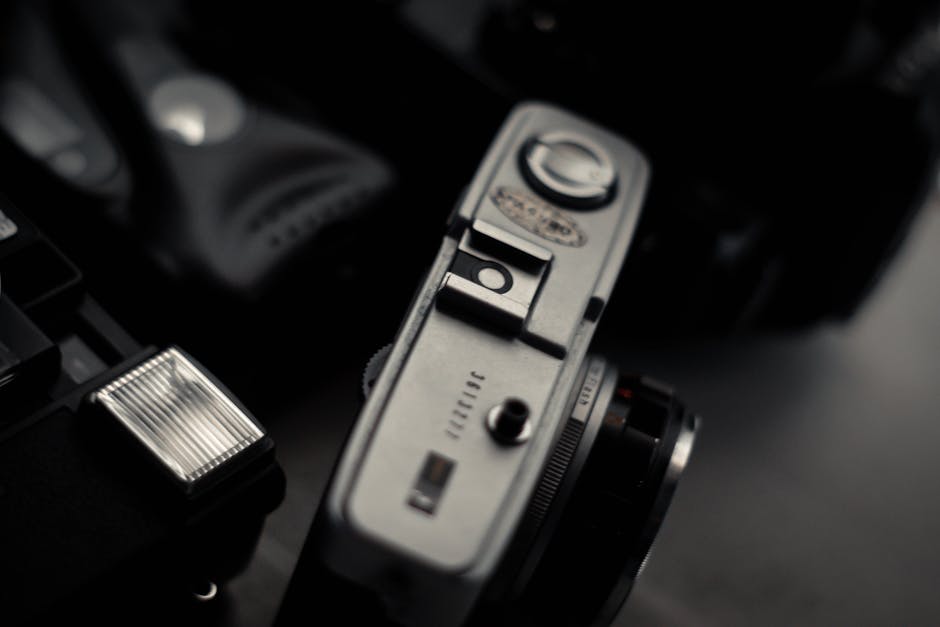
x,y
190,425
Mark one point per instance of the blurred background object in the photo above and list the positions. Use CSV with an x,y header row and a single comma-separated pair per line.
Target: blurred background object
x,y
792,145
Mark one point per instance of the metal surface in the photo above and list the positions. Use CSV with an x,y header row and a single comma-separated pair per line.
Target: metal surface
x,y
569,168
600,381
537,215
532,256
374,368
189,425
470,297
521,265
562,302
418,418
447,370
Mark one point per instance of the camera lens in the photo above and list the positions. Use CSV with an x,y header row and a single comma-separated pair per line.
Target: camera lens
x,y
602,498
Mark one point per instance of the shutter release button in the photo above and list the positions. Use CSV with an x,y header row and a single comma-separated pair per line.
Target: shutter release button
x,y
569,169
508,422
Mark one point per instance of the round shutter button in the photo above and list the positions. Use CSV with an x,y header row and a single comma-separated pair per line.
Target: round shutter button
x,y
569,169
508,422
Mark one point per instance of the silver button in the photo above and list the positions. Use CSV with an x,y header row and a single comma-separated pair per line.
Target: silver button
x,y
569,169
491,278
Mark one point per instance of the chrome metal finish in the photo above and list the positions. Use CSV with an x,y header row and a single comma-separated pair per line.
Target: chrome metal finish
x,y
171,407
448,368
482,301
569,168
373,368
680,455
483,232
8,227
599,381
523,261
536,215
677,463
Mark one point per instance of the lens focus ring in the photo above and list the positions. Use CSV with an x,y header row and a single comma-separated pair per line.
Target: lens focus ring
x,y
617,504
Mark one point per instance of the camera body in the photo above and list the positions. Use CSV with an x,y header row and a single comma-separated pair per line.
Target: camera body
x,y
476,432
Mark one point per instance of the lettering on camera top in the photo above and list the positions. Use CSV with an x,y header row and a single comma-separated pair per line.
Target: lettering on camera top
x,y
537,216
589,389
464,405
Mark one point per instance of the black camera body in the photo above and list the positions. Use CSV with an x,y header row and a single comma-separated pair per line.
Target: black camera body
x,y
93,521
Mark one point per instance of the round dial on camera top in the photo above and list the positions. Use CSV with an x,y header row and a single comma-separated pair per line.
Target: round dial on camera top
x,y
569,169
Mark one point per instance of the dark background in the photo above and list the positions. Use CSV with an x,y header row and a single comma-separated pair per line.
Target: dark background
x,y
811,495
792,150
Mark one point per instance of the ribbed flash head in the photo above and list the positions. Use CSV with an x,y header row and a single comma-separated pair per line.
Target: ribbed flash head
x,y
180,415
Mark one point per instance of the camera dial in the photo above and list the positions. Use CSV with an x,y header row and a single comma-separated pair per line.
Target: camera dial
x,y
568,168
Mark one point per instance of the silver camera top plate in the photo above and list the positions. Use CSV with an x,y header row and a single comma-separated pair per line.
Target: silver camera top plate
x,y
434,480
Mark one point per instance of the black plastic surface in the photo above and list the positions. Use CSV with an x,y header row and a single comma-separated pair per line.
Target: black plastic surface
x,y
28,359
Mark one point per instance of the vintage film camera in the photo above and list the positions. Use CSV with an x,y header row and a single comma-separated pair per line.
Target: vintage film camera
x,y
498,472
129,477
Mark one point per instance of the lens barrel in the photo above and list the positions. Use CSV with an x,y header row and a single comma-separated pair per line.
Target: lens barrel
x,y
602,498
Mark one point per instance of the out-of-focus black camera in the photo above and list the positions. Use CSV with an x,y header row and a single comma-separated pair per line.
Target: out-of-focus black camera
x,y
786,174
129,477
785,177
204,183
